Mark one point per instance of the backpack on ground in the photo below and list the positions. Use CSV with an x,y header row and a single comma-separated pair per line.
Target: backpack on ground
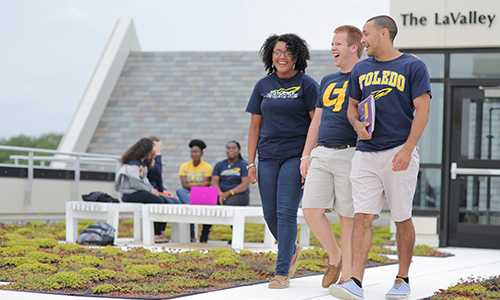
x,y
101,234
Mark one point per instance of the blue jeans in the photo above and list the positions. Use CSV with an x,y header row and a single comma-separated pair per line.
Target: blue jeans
x,y
171,200
184,199
183,195
280,190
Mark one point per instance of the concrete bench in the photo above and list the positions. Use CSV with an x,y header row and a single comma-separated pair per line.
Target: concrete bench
x,y
107,212
181,215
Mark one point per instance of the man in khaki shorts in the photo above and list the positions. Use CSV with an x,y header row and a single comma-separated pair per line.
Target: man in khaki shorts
x,y
326,159
386,162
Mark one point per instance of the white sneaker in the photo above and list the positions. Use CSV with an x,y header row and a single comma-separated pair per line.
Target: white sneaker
x,y
400,290
348,290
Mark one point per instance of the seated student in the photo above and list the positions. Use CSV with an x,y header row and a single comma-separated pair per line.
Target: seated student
x,y
231,177
155,173
195,172
132,181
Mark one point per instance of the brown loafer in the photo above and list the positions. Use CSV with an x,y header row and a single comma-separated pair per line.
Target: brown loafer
x,y
277,283
293,263
332,274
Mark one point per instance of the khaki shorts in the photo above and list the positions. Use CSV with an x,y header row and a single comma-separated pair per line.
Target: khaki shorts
x,y
327,184
373,181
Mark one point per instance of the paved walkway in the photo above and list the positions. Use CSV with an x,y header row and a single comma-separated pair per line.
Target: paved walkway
x,y
427,275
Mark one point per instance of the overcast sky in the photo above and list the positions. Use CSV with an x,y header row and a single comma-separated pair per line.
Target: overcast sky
x,y
49,49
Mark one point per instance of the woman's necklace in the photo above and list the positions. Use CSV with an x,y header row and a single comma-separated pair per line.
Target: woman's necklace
x,y
230,164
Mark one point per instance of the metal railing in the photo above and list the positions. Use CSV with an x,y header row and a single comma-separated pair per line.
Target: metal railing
x,y
73,158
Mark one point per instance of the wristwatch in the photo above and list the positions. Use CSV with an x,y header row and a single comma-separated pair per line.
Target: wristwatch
x,y
250,165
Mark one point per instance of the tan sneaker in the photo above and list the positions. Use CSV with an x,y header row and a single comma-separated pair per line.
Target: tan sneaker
x,y
277,283
332,274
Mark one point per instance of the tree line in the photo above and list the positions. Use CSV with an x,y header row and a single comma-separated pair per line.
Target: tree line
x,y
45,141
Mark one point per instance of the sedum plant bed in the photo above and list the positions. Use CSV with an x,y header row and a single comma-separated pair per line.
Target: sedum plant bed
x,y
420,250
424,250
471,289
32,258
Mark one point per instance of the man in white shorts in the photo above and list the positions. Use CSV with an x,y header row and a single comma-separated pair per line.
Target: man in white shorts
x,y
386,162
326,159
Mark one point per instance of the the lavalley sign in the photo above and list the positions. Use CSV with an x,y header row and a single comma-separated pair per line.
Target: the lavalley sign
x,y
452,18
442,24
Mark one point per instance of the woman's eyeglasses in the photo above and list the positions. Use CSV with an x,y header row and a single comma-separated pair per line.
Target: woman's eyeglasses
x,y
287,53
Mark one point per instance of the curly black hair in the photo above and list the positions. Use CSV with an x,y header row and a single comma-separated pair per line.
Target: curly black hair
x,y
143,149
294,43
201,144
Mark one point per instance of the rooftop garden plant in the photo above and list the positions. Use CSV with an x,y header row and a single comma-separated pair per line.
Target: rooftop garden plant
x,y
476,288
33,257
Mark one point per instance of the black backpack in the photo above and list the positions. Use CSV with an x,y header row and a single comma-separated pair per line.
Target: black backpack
x,y
99,197
101,234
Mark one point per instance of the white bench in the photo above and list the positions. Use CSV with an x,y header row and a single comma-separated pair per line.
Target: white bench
x,y
184,214
108,212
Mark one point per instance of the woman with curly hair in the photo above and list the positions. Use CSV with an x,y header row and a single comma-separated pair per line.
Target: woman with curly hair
x,y
132,180
282,105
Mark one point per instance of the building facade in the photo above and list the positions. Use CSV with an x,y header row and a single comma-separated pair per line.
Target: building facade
x,y
460,148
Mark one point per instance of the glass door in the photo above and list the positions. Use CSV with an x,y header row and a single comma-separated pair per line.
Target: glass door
x,y
474,204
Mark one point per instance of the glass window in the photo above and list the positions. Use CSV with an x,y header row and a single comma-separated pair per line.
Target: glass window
x,y
428,190
481,128
431,141
480,200
434,62
475,65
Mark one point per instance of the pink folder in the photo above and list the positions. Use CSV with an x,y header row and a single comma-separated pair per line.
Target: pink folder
x,y
204,195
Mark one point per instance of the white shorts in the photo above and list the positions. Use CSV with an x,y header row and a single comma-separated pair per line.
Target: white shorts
x,y
327,184
373,180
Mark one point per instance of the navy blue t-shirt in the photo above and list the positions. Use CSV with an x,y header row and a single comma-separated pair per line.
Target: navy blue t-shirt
x,y
394,85
230,175
284,105
155,174
335,129
143,168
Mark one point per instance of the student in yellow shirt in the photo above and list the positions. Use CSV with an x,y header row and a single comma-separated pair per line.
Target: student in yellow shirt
x,y
195,172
